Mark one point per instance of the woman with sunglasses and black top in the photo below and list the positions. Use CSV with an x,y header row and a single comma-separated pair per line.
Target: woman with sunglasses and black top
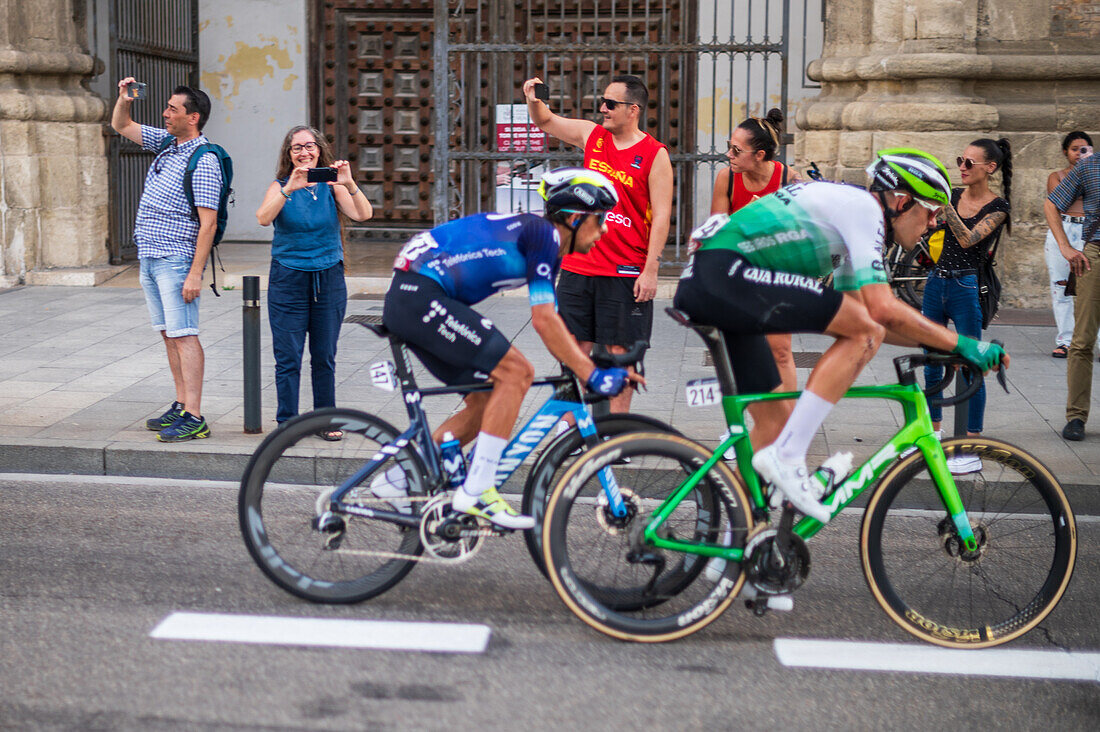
x,y
754,172
975,219
1075,146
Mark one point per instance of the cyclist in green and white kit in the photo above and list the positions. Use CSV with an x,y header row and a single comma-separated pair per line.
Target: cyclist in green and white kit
x,y
755,272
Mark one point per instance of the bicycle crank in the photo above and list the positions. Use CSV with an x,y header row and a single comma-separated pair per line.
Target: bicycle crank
x,y
449,536
776,571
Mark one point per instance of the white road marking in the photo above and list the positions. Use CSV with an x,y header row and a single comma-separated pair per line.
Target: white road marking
x,y
325,632
1024,664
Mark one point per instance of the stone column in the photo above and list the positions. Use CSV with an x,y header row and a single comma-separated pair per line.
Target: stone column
x,y
936,74
53,164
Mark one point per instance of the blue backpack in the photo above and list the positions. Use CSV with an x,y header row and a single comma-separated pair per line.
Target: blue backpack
x,y
224,196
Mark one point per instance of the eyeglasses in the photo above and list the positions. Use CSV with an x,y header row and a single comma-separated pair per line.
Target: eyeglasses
x,y
734,149
611,103
928,204
307,147
967,163
600,217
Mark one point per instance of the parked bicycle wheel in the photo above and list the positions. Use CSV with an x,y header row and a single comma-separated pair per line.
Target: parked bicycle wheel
x,y
556,459
930,585
595,560
286,487
910,274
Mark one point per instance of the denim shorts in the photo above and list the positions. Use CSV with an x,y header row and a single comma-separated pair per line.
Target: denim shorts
x,y
162,279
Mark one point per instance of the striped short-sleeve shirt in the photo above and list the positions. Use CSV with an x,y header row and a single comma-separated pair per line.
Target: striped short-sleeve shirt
x,y
1082,181
164,226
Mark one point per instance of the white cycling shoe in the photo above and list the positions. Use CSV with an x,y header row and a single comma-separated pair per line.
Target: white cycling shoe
x,y
491,507
793,479
392,486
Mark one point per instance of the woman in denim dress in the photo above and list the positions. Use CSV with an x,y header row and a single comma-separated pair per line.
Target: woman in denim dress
x,y
306,293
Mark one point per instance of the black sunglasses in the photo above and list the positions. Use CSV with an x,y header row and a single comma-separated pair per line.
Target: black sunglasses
x,y
611,103
967,163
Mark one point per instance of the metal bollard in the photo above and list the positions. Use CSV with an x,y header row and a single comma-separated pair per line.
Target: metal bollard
x,y
253,420
962,410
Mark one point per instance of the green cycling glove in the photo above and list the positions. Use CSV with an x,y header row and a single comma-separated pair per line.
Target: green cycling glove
x,y
982,354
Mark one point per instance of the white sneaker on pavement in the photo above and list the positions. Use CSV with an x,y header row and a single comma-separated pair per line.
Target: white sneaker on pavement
x,y
964,463
793,479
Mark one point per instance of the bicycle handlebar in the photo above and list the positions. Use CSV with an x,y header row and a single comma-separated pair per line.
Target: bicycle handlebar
x,y
633,357
905,365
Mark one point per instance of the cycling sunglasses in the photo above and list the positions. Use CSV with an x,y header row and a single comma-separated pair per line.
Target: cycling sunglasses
x,y
611,103
601,216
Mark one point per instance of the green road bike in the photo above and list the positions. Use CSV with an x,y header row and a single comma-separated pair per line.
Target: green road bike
x,y
966,561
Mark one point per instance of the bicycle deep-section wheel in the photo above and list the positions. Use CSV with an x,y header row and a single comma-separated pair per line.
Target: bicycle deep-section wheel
x,y
556,459
590,553
931,585
287,485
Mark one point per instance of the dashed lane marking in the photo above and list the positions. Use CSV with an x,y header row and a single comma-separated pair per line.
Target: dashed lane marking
x,y
1022,664
325,632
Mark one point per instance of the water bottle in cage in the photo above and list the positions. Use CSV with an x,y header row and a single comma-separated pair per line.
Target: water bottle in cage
x,y
454,463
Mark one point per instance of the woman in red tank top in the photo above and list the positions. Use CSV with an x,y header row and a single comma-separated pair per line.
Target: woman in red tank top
x,y
754,172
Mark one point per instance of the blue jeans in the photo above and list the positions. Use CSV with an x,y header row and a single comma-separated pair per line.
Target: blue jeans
x,y
955,300
301,303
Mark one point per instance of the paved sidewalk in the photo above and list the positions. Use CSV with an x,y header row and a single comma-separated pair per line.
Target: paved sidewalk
x,y
81,371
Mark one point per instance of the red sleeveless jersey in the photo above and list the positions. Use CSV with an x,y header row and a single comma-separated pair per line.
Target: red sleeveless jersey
x,y
743,197
621,252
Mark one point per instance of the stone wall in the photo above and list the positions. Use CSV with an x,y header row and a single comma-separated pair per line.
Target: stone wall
x,y
936,74
53,165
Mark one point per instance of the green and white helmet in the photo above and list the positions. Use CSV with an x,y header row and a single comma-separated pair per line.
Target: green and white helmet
x,y
910,171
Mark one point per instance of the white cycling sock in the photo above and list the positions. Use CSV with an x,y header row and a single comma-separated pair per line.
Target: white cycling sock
x,y
483,463
392,480
809,413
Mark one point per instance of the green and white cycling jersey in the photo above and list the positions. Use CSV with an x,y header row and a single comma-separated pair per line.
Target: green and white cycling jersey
x,y
809,228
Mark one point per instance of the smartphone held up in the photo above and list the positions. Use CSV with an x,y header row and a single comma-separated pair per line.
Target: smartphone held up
x,y
321,175
136,90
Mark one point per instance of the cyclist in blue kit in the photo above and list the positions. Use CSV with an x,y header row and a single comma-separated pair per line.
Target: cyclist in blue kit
x,y
440,273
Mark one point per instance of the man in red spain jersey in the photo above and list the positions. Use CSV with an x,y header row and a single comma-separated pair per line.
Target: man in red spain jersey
x,y
606,295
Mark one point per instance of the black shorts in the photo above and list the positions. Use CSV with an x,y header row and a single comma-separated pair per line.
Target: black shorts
x,y
603,310
455,342
721,288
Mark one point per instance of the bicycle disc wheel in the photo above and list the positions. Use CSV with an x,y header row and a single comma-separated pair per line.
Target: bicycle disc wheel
x,y
290,474
931,586
598,563
556,459
911,274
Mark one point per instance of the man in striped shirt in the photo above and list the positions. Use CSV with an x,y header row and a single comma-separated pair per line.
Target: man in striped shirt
x,y
173,247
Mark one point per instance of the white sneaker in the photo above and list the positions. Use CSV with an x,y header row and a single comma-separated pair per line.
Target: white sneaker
x,y
964,464
491,507
910,450
793,480
392,486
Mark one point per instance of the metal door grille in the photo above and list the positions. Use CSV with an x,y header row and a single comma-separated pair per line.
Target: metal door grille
x,y
419,127
157,42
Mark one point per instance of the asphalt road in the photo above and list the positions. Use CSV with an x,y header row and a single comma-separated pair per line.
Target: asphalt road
x,y
88,567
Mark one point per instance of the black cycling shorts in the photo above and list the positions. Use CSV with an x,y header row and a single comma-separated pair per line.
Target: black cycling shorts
x,y
455,342
602,309
722,289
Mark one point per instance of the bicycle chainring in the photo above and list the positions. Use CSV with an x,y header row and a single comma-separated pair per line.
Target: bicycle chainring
x,y
446,535
771,571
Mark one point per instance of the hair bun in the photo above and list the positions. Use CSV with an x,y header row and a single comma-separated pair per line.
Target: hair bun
x,y
775,117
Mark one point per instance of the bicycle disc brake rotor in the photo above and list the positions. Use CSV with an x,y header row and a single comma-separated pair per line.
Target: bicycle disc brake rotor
x,y
448,536
608,521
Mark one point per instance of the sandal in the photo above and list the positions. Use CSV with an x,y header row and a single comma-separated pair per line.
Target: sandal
x,y
1060,352
331,435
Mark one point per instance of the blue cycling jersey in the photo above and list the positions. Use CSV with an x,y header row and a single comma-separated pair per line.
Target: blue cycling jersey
x,y
480,255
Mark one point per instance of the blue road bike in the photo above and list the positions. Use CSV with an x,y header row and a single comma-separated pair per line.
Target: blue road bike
x,y
313,526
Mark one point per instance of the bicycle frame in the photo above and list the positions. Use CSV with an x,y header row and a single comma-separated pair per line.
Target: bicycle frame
x,y
917,432
566,399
